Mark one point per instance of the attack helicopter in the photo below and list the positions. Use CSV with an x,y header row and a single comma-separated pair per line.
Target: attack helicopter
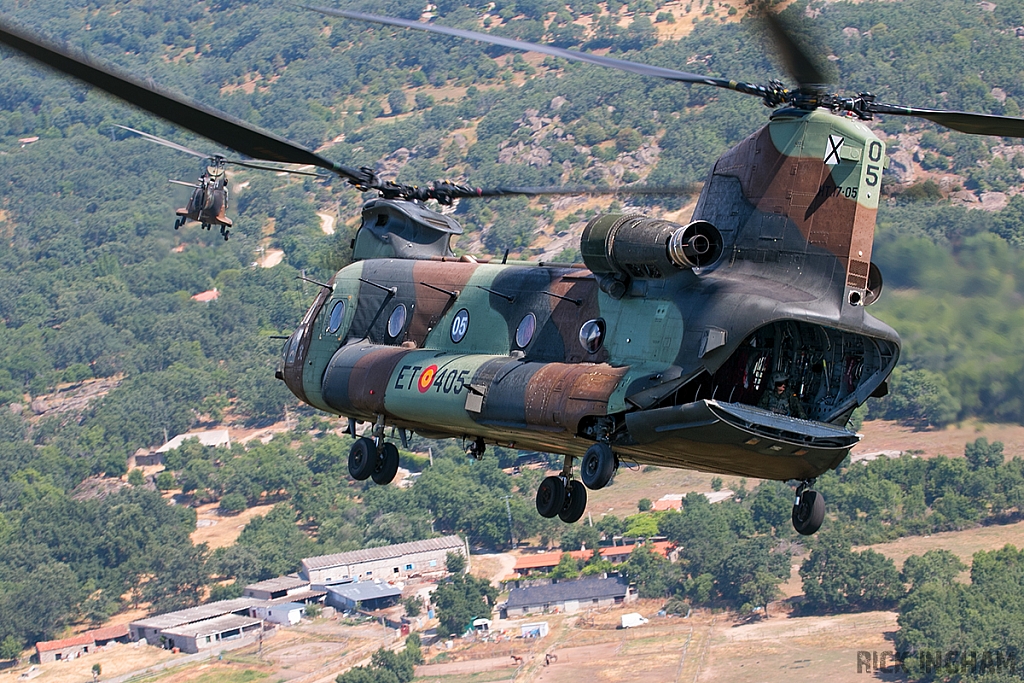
x,y
660,348
208,204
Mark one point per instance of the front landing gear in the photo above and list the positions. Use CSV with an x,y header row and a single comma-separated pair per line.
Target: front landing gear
x,y
373,458
808,510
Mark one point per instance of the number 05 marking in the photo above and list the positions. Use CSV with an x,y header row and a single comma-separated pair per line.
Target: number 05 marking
x,y
874,154
460,325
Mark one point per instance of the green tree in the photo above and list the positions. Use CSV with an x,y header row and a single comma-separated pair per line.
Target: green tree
x,y
940,566
10,648
461,600
567,568
136,478
413,605
455,562
653,575
981,454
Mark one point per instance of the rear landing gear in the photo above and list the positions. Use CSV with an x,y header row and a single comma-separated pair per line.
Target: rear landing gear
x,y
575,503
550,496
808,510
562,496
598,466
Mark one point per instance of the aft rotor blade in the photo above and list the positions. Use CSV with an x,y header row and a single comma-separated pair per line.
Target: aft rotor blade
x,y
182,182
165,143
621,64
582,191
965,122
198,118
797,62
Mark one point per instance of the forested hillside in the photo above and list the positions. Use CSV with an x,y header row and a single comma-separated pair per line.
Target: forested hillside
x,y
95,283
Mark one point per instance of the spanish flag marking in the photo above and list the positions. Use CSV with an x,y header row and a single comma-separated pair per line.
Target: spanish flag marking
x,y
426,379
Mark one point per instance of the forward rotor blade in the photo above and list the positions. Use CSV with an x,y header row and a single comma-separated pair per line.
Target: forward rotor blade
x,y
965,122
198,118
182,182
621,64
165,143
797,62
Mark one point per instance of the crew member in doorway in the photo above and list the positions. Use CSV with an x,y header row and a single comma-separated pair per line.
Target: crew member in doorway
x,y
780,401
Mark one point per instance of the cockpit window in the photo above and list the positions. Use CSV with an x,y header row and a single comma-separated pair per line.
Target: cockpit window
x,y
337,316
293,346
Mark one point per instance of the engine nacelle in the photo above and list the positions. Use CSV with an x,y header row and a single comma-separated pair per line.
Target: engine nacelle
x,y
636,246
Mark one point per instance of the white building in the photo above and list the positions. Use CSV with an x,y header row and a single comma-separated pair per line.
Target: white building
x,y
285,613
387,563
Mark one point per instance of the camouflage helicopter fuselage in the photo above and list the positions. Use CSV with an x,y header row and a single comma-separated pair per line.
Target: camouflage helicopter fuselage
x,y
663,362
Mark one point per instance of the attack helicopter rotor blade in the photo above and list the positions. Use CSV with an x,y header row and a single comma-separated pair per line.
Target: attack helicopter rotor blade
x,y
573,55
165,143
182,182
177,109
965,122
272,168
798,63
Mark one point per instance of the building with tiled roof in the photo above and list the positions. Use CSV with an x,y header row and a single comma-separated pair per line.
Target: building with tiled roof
x,y
70,648
614,554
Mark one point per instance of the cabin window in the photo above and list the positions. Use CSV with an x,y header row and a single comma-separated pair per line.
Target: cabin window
x,y
337,316
396,323
524,333
592,335
460,325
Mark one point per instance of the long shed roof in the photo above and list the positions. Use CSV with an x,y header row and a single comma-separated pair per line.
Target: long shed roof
x,y
579,589
192,614
383,553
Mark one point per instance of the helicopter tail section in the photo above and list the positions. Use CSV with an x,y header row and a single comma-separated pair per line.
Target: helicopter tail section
x,y
798,199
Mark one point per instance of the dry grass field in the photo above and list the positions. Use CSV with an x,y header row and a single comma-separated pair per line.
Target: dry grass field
x,y
963,544
220,531
114,660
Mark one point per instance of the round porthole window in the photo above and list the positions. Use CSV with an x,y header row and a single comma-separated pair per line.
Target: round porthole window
x,y
396,323
592,335
460,325
524,333
337,316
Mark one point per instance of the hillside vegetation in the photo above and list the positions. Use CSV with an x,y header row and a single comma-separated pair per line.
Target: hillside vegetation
x,y
94,283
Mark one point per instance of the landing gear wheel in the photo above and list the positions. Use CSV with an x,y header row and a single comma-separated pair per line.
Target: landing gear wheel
x,y
362,459
598,466
575,502
387,465
226,233
809,512
177,223
550,496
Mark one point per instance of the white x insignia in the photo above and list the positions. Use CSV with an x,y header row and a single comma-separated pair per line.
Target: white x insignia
x,y
835,145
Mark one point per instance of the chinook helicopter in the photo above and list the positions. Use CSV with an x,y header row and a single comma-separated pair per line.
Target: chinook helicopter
x,y
208,204
660,348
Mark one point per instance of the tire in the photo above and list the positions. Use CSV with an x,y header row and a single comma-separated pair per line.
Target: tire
x,y
809,513
550,496
362,459
575,502
387,465
597,466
